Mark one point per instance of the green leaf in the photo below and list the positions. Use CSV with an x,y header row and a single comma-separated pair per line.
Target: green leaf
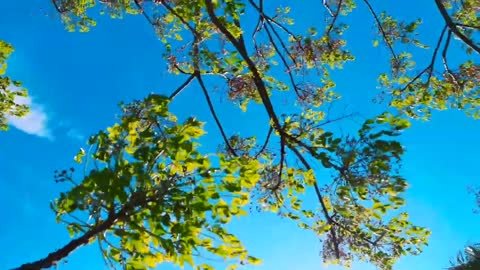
x,y
253,260
79,156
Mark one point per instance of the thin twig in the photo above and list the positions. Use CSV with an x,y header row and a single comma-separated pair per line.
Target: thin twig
x,y
181,18
444,58
284,46
269,134
140,8
284,61
181,87
380,27
320,199
282,161
434,55
214,114
327,7
270,19
430,67
476,27
241,48
335,17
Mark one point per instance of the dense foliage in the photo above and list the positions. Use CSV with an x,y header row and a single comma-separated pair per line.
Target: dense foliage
x,y
149,196
469,259
10,90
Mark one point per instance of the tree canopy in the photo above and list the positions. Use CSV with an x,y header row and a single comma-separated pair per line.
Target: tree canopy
x,y
148,195
468,259
10,90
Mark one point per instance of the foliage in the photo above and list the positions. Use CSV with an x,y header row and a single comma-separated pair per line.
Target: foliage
x,y
469,259
154,196
10,90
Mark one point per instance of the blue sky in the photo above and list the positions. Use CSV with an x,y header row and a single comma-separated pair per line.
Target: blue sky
x,y
75,81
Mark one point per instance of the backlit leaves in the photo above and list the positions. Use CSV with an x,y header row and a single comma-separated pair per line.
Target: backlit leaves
x,y
10,90
148,169
161,198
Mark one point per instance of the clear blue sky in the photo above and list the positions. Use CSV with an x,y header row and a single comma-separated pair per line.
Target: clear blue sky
x,y
76,80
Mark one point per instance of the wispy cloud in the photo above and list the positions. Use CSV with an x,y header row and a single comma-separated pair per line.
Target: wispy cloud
x,y
35,122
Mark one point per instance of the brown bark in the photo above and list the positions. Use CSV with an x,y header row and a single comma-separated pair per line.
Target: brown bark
x,y
53,258
453,27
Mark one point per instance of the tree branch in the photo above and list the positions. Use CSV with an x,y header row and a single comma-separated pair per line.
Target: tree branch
x,y
140,8
214,114
266,102
453,27
53,258
335,17
181,87
444,58
380,27
269,134
257,79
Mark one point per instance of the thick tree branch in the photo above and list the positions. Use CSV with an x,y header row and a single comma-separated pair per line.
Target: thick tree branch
x,y
453,27
269,107
57,7
53,258
257,79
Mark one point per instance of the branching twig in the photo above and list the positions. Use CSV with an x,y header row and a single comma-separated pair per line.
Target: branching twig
x,y
269,134
430,67
284,61
241,48
335,17
284,46
380,27
270,19
214,114
268,106
434,55
181,18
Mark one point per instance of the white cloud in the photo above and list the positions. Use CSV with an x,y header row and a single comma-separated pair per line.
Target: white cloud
x,y
35,122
